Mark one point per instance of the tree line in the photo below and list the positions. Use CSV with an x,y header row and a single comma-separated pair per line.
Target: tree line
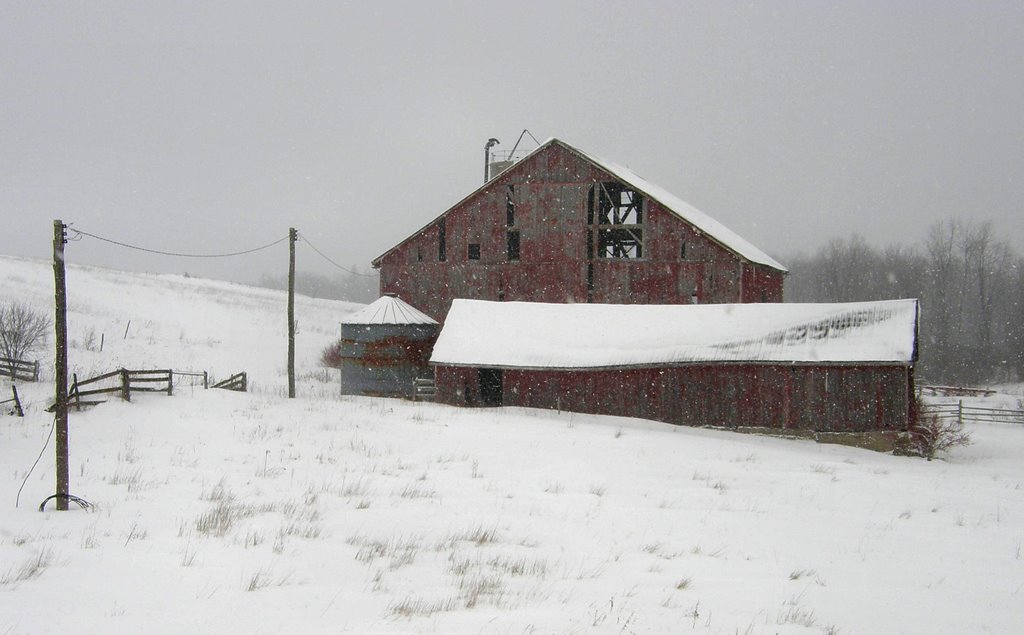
x,y
353,287
970,284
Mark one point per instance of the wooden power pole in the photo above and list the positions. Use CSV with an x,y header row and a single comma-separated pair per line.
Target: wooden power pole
x,y
61,364
292,237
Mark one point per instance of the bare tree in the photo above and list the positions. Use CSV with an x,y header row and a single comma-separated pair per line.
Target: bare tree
x,y
971,286
22,330
990,260
942,267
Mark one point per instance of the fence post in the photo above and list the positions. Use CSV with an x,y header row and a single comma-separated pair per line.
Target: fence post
x,y
17,402
74,392
35,371
245,382
126,391
206,380
960,412
170,382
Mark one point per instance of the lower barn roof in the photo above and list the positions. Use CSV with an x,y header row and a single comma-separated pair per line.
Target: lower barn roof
x,y
540,335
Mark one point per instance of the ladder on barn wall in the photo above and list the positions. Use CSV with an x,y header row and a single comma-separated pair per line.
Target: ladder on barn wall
x,y
424,389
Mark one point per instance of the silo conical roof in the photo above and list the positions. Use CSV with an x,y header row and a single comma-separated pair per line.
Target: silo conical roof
x,y
389,309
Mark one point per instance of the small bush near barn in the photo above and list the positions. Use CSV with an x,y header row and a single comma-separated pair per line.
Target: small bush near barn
x,y
934,435
331,355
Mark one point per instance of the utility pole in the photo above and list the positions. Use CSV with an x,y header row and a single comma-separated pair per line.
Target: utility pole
x,y
292,237
61,364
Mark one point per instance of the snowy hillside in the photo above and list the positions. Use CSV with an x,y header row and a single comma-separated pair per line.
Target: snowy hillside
x,y
170,321
251,513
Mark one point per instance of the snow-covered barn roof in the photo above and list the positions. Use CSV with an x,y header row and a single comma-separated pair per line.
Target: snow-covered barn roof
x,y
539,335
389,310
711,227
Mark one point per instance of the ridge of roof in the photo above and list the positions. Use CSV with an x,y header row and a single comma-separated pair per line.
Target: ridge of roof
x,y
706,224
713,228
376,261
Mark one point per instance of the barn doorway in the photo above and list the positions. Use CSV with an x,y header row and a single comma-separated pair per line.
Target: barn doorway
x,y
490,386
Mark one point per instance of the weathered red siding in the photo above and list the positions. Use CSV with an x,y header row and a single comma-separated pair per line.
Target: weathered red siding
x,y
550,191
800,397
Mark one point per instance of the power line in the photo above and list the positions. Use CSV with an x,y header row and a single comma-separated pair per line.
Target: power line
x,y
313,247
177,254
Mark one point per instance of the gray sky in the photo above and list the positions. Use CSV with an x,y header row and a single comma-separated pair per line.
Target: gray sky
x,y
209,127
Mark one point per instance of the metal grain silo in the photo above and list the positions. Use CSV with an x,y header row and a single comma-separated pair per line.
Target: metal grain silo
x,y
384,347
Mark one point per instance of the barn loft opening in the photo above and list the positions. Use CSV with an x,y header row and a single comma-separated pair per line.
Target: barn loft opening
x,y
510,206
442,254
513,245
616,212
473,252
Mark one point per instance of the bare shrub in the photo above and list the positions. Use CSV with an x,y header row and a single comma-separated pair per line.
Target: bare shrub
x,y
934,435
22,329
330,357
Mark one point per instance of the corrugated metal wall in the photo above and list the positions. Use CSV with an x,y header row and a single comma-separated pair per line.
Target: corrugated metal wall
x,y
381,360
820,398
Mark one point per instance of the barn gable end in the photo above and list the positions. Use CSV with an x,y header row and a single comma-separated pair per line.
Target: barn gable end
x,y
563,226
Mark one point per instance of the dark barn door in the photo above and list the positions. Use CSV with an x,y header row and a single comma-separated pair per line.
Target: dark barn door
x,y
490,386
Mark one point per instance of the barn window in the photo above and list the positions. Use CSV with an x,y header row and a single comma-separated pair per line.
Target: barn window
x,y
441,254
617,212
510,206
513,245
682,250
419,253
473,253
590,282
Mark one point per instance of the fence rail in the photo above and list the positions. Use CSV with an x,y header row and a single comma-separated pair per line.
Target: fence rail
x,y
954,391
19,369
238,382
129,381
17,403
973,414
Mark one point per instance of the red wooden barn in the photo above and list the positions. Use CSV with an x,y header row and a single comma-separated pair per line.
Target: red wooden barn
x,y
563,226
822,367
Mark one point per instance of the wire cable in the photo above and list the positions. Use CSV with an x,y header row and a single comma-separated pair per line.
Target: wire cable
x,y
322,255
176,254
17,499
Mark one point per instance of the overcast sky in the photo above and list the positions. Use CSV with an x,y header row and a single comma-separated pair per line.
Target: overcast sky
x,y
214,126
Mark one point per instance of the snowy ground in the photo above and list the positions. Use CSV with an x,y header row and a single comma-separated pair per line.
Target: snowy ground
x,y
252,513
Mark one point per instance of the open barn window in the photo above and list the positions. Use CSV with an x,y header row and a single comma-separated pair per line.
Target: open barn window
x,y
473,252
510,206
442,254
617,213
513,245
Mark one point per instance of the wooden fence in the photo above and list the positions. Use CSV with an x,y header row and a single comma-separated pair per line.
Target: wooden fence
x,y
125,382
17,403
973,414
954,391
19,369
238,382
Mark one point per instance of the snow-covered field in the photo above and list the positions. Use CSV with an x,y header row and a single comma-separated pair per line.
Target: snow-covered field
x,y
252,513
